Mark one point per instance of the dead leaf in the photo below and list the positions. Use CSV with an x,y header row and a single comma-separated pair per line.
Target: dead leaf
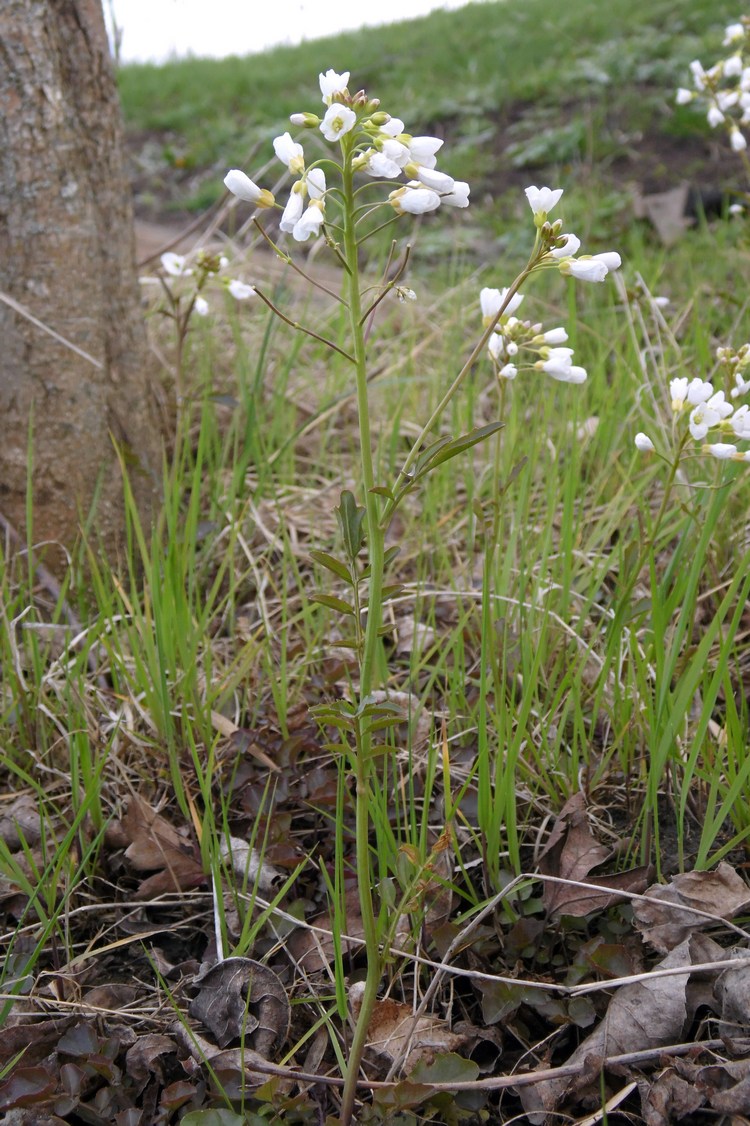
x,y
666,210
572,853
313,950
157,846
732,993
396,1036
721,893
249,865
20,823
143,1059
669,1099
242,998
645,1014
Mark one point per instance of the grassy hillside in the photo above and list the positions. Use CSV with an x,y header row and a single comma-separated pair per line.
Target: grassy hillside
x,y
519,86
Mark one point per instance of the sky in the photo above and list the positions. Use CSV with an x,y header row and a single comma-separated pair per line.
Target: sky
x,y
156,30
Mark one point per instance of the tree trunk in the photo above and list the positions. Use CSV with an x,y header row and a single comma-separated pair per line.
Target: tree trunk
x,y
67,261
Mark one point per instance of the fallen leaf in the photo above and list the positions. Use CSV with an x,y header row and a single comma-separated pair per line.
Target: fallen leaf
x,y
645,1014
240,998
721,893
157,846
395,1035
669,1099
571,853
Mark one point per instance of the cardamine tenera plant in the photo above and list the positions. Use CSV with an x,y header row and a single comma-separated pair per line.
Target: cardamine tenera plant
x,y
374,172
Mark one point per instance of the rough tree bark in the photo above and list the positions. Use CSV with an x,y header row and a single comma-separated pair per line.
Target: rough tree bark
x,y
67,258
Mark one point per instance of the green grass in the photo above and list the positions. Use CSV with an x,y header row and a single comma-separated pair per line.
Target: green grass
x,y
571,620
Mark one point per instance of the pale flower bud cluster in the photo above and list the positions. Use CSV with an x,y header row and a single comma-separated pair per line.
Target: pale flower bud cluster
x,y
202,269
709,415
723,90
518,345
377,145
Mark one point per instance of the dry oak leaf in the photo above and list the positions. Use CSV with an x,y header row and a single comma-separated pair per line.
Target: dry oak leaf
x,y
572,852
395,1035
157,846
240,998
645,1014
721,893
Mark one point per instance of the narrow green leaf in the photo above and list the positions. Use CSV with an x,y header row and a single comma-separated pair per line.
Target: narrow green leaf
x,y
350,517
332,564
334,603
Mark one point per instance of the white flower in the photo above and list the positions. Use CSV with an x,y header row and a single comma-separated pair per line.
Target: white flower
x,y
332,83
698,73
684,96
733,33
593,268
508,371
573,374
699,391
175,264
678,389
200,306
290,153
310,223
243,187
714,116
737,140
294,208
542,200
643,443
338,121
732,66
438,181
722,450
382,166
570,247
740,422
736,209
496,346
743,386
459,197
707,415
240,291
725,99
405,294
491,302
557,363
316,183
394,127
555,336
422,150
414,200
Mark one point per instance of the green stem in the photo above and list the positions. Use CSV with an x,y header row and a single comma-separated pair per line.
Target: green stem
x,y
363,751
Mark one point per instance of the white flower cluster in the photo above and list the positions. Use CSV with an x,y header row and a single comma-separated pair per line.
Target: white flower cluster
x,y
203,269
562,248
378,146
511,335
709,413
514,336
724,89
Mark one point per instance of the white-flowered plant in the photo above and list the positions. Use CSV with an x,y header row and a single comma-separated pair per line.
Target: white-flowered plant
x,y
374,172
517,345
706,416
723,90
205,271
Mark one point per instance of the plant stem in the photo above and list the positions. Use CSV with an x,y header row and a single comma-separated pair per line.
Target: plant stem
x,y
363,752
